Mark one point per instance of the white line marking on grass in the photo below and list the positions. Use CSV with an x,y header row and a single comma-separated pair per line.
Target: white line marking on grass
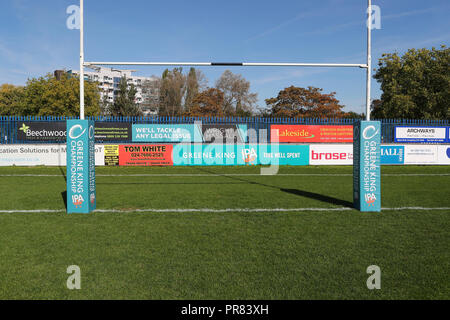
x,y
32,211
236,174
208,210
415,208
224,210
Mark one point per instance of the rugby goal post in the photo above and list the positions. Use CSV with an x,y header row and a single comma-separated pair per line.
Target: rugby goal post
x,y
366,191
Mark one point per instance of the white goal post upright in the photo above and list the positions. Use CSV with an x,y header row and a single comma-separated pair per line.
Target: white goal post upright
x,y
369,59
366,66
82,59
361,194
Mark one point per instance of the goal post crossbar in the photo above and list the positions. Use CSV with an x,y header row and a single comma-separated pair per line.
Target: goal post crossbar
x,y
367,66
225,64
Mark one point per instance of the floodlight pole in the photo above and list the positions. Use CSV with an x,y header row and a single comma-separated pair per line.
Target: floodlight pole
x,y
369,59
81,60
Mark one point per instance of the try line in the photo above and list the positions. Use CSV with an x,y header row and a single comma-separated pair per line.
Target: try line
x,y
207,210
235,174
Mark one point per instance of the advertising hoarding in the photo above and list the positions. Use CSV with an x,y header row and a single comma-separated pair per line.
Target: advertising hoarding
x,y
215,154
421,134
444,154
224,133
145,155
311,133
180,133
112,131
391,154
331,154
41,131
41,155
111,155
166,133
256,154
421,154
56,131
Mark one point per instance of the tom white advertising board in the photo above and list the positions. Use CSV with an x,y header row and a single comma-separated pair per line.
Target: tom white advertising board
x,y
39,154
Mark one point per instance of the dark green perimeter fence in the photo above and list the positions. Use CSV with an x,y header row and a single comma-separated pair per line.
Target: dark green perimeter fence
x,y
9,126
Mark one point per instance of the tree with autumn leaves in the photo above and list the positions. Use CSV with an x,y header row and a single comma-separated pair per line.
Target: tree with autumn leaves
x,y
208,103
296,102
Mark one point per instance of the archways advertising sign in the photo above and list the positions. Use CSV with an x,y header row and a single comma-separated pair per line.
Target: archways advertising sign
x,y
81,192
366,166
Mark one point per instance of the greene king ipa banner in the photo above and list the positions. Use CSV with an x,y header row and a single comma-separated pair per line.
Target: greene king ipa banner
x,y
145,155
80,166
366,166
311,133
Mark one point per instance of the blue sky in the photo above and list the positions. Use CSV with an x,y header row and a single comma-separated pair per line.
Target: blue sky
x,y
34,38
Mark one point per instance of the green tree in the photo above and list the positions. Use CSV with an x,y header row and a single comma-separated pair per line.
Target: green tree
x,y
11,100
124,102
47,96
296,102
415,85
353,115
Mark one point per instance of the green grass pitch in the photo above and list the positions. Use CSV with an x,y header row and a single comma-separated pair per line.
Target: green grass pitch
x,y
229,250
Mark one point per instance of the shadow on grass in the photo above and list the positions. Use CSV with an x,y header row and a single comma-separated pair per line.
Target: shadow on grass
x,y
166,183
297,192
63,173
64,196
318,196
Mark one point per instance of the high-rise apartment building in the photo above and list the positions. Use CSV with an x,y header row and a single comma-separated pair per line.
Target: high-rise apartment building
x,y
108,82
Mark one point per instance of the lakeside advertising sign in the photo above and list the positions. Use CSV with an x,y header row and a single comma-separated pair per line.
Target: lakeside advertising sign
x,y
422,134
366,166
81,191
311,133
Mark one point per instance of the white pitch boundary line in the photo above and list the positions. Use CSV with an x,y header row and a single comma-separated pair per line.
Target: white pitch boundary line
x,y
236,175
207,210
